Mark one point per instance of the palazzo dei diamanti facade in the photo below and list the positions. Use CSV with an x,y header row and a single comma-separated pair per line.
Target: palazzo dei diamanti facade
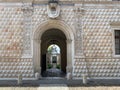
x,y
87,32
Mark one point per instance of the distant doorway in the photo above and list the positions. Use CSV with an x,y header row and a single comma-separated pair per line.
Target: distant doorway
x,y
53,53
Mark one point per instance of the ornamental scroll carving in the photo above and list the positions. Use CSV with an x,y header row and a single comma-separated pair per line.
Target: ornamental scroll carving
x,y
79,31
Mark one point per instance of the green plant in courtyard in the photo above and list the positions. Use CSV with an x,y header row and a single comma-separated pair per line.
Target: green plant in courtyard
x,y
49,66
58,66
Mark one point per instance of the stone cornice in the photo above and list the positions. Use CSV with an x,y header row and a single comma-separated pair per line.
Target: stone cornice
x,y
103,4
79,2
62,2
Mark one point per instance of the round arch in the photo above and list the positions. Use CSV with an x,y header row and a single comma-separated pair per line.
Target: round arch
x,y
37,34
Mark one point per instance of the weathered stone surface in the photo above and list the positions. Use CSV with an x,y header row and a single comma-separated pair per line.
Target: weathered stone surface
x,y
16,35
11,67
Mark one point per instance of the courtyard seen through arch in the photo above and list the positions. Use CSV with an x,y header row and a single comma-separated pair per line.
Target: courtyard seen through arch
x,y
53,53
53,62
53,57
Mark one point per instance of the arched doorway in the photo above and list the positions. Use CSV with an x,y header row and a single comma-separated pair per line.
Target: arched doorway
x,y
37,43
49,37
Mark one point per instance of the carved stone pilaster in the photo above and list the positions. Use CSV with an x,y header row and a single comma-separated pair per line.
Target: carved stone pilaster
x,y
27,27
79,11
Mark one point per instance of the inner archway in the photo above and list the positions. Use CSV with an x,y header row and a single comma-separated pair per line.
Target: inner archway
x,y
53,37
53,57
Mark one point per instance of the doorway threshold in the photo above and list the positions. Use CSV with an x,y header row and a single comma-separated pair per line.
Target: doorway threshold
x,y
51,78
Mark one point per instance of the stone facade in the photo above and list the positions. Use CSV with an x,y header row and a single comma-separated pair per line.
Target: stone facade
x,y
92,23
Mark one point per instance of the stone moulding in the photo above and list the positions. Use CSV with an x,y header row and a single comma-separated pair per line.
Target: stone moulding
x,y
114,24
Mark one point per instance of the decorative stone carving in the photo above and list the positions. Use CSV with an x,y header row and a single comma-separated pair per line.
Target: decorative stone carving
x,y
79,11
53,9
27,12
27,9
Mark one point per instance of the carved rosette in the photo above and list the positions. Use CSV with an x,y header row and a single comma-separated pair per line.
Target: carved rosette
x,y
79,11
27,20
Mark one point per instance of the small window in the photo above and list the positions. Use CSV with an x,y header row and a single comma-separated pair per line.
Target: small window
x,y
117,42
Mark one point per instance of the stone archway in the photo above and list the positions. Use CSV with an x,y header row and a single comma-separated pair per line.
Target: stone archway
x,y
37,34
49,37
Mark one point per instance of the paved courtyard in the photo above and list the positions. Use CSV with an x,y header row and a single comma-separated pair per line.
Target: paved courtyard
x,y
55,82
